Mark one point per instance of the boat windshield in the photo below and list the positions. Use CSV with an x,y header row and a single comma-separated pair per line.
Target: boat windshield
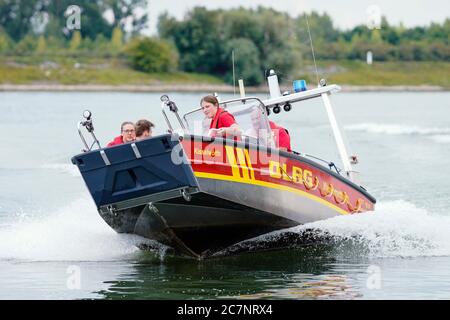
x,y
250,115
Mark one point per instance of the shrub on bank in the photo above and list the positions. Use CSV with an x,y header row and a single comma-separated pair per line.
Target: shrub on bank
x,y
152,55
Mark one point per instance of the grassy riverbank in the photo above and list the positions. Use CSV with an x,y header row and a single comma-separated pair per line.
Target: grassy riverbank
x,y
392,73
115,72
71,71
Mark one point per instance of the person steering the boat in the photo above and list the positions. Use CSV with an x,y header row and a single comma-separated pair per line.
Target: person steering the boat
x,y
222,123
128,134
281,135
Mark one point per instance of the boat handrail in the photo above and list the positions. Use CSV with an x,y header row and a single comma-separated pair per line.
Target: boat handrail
x,y
89,128
330,164
166,102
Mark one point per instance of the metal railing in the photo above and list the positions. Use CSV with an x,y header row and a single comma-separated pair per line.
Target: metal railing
x,y
88,125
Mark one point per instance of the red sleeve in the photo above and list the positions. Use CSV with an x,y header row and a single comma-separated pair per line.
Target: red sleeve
x,y
117,140
226,120
285,140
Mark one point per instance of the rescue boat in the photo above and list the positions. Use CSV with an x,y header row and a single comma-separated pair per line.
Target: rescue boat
x,y
199,195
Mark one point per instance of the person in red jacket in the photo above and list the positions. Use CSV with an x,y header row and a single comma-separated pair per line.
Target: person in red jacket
x,y
281,135
128,134
222,123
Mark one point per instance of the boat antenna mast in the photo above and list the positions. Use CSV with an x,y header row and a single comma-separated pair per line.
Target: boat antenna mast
x,y
234,73
347,160
312,48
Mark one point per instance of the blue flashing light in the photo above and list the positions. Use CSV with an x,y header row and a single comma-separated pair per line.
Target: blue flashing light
x,y
299,85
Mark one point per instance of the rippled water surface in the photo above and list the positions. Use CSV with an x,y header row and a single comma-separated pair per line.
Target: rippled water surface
x,y
55,246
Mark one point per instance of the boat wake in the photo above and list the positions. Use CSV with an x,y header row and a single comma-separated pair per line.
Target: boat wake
x,y
436,134
65,168
73,233
77,233
395,229
441,138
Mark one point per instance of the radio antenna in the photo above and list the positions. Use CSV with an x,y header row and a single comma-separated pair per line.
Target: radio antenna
x,y
312,48
234,74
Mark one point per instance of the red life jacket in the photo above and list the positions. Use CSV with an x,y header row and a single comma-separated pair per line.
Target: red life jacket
x,y
222,119
117,140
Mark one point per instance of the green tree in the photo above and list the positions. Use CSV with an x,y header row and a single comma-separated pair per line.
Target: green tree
x,y
5,42
375,37
128,11
280,50
55,44
282,41
152,55
242,23
198,42
41,45
27,45
117,39
75,42
284,61
93,21
247,64
167,26
438,51
102,46
321,27
16,16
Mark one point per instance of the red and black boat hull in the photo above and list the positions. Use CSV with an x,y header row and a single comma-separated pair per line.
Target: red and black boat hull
x,y
200,195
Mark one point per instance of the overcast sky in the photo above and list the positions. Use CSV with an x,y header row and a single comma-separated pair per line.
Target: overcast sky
x,y
345,13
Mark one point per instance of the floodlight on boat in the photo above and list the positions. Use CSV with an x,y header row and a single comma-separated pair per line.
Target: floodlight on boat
x,y
322,82
89,126
276,109
287,107
87,114
164,98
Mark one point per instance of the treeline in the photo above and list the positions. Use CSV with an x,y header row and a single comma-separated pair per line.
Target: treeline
x,y
41,26
108,28
204,40
21,18
265,38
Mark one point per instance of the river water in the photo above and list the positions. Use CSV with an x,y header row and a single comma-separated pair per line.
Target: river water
x,y
54,245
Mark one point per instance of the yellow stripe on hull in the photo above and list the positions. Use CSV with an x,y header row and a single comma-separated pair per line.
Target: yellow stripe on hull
x,y
269,185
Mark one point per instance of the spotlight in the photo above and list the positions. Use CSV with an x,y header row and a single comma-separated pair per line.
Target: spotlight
x,y
87,114
287,107
276,109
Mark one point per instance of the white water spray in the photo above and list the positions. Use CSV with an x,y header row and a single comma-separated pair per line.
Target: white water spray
x,y
73,233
